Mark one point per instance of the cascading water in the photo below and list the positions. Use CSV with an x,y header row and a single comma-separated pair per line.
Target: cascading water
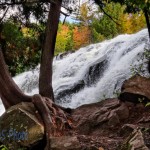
x,y
91,73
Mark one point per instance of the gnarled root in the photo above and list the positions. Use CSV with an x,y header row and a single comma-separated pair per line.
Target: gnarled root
x,y
55,121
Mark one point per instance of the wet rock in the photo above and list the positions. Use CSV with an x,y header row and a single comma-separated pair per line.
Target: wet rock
x,y
65,143
95,72
135,141
70,90
20,127
62,55
136,90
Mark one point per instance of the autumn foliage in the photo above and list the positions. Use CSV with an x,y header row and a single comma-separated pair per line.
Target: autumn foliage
x,y
23,45
81,36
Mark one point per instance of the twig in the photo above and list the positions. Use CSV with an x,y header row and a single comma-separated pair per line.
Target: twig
x,y
108,15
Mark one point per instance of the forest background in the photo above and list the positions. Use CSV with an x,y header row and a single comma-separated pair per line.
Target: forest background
x,y
23,43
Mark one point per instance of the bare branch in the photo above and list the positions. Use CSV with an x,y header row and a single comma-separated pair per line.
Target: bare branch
x,y
109,15
100,4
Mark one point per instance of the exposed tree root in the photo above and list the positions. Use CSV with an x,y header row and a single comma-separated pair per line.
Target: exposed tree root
x,y
54,119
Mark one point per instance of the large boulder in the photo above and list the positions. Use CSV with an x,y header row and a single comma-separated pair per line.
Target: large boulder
x,y
99,115
19,127
109,122
136,90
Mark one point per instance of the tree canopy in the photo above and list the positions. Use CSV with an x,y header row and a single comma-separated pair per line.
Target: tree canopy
x,y
132,6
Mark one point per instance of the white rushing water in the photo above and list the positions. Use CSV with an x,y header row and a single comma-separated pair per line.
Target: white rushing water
x,y
91,73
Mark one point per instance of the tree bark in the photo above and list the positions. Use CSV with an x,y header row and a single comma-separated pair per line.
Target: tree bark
x,y
45,79
9,91
55,120
147,21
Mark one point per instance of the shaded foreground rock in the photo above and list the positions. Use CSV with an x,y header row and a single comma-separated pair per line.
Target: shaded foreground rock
x,y
105,113
20,127
136,90
108,123
135,141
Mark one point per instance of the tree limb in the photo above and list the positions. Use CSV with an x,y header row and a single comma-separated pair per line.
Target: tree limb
x,y
108,15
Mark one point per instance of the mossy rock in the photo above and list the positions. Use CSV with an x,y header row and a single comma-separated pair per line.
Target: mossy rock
x,y
20,128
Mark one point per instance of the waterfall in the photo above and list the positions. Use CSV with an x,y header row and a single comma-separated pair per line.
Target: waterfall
x,y
92,73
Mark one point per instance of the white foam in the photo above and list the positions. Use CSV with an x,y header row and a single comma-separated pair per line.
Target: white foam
x,y
120,52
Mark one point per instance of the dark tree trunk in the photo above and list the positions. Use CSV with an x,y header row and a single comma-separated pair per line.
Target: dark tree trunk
x,y
147,15
9,91
45,79
55,120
